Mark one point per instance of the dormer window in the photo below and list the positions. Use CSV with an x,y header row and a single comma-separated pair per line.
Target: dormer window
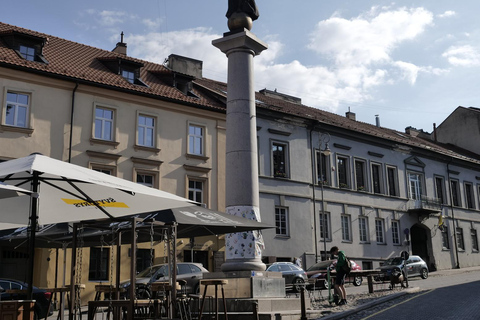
x,y
27,52
129,76
27,46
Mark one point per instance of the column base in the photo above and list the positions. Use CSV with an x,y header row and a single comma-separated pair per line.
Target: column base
x,y
243,265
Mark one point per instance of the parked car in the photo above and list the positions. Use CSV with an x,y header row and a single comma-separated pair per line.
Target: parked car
x,y
191,272
294,276
317,274
415,267
42,298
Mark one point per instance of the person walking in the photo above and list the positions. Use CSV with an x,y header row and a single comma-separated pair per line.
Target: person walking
x,y
340,274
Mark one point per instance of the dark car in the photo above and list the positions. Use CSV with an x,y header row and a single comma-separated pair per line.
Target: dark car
x,y
294,276
415,267
191,272
42,298
317,274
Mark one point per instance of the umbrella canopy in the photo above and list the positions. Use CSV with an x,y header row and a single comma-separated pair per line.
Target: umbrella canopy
x,y
8,191
69,193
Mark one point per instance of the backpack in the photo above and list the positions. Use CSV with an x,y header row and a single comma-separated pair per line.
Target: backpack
x,y
347,267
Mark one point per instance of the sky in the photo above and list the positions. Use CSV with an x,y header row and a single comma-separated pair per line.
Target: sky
x,y
409,62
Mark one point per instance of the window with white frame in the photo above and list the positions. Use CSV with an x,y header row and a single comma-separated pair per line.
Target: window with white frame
x,y
392,178
346,230
415,185
396,232
377,178
455,189
280,159
17,109
460,242
360,175
469,197
445,241
196,139
379,230
104,169
343,172
281,221
196,190
104,123
146,179
323,164
473,235
363,228
324,222
146,131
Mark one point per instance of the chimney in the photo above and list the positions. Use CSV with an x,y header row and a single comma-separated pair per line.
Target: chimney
x,y
377,120
350,115
121,46
186,66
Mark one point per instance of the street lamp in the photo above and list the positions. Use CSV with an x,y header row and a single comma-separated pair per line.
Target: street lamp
x,y
324,138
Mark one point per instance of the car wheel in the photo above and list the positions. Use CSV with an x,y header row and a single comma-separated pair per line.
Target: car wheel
x,y
357,281
297,284
144,293
424,273
326,285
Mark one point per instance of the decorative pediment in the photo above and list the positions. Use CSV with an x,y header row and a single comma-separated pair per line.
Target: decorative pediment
x,y
414,161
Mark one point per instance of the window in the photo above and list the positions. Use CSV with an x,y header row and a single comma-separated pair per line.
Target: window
x,y
360,175
98,268
445,242
17,109
460,242
27,52
281,221
440,190
279,156
144,259
104,124
322,168
195,140
324,220
455,189
146,179
415,185
396,232
146,131
195,190
377,179
469,196
363,228
473,235
129,76
102,169
346,230
379,230
342,168
392,181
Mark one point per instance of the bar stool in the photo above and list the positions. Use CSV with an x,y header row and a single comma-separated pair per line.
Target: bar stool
x,y
216,283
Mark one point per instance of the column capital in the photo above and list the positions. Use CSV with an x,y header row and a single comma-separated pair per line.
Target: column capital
x,y
240,40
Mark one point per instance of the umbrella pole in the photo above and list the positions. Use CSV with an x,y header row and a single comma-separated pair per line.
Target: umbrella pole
x,y
33,227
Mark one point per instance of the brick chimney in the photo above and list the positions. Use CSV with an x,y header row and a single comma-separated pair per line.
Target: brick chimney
x,y
350,115
121,46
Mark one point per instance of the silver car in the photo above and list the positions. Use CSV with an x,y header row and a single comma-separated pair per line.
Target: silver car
x,y
191,272
294,276
415,267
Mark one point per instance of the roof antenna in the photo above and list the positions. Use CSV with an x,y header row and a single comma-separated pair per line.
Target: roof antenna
x,y
121,37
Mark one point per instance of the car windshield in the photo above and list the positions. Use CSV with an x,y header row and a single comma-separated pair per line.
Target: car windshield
x,y
320,266
147,273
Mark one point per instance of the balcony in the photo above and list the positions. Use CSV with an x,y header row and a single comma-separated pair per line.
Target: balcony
x,y
424,206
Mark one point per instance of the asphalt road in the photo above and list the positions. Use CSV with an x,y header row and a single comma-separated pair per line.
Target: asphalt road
x,y
453,296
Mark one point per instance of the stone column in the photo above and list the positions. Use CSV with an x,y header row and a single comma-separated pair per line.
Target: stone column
x,y
243,250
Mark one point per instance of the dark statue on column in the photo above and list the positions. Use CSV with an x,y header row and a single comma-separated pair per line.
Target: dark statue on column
x,y
241,14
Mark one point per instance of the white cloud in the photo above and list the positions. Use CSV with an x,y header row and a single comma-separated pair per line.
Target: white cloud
x,y
465,56
152,24
446,14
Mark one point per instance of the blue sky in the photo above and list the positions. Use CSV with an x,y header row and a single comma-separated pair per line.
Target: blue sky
x,y
410,62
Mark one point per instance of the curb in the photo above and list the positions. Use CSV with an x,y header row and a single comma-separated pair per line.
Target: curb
x,y
346,313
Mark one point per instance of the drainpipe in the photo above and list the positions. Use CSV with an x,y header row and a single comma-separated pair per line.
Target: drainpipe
x,y
457,266
71,124
313,197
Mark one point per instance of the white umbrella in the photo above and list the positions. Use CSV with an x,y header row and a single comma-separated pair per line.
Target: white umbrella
x,y
8,191
69,193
